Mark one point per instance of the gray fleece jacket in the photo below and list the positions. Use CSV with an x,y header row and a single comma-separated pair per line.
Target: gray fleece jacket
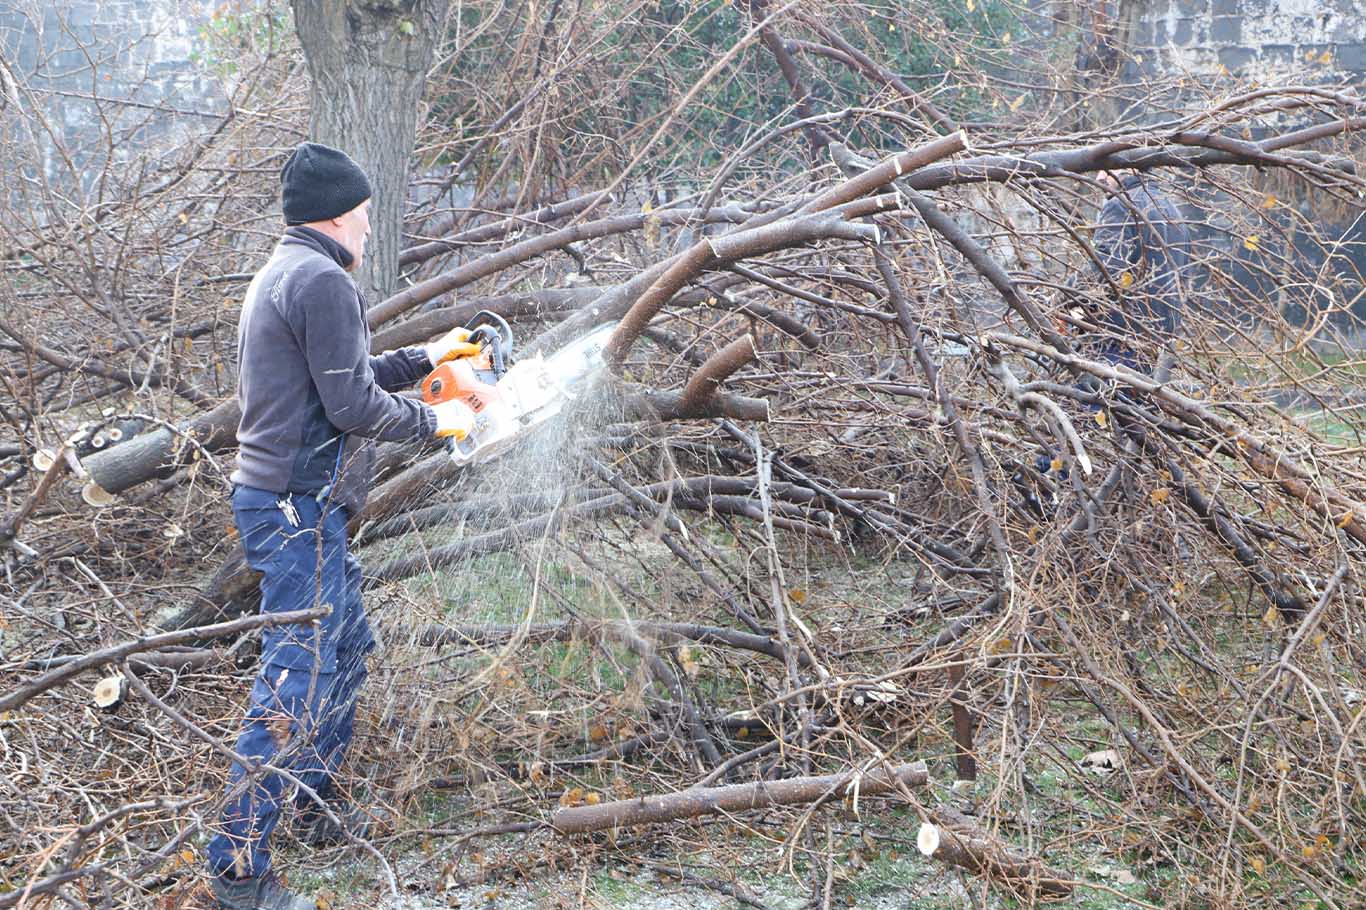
x,y
310,391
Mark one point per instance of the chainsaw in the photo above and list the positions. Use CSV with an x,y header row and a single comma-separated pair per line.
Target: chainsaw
x,y
509,398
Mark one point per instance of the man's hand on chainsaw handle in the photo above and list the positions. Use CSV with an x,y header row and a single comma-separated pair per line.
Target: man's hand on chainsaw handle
x,y
454,343
454,419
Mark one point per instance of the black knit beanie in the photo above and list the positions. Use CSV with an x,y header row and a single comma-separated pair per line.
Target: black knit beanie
x,y
318,182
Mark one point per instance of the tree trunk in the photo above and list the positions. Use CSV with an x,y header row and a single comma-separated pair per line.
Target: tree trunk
x,y
369,62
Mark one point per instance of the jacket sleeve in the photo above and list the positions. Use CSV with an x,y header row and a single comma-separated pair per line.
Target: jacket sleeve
x,y
1116,240
400,368
1168,256
328,324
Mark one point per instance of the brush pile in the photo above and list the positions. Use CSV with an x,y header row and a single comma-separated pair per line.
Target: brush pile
x,y
861,490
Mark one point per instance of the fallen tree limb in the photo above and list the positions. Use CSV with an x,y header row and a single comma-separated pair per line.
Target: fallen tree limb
x,y
530,248
1220,523
232,587
690,492
653,404
538,304
743,243
652,288
9,527
16,698
735,798
951,837
705,383
1333,506
734,889
1112,155
421,252
799,331
689,717
175,659
668,633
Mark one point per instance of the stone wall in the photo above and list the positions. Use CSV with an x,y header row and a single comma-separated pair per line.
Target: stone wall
x,y
1306,42
1320,40
122,64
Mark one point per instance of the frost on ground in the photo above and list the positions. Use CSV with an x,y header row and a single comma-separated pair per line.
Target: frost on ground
x,y
353,882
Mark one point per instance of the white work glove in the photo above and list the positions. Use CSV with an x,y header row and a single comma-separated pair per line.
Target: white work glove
x,y
454,419
454,343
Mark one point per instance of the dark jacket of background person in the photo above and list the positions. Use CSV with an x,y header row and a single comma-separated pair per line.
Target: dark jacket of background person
x,y
1145,246
310,391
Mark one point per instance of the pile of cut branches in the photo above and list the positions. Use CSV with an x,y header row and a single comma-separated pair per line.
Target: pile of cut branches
x,y
860,491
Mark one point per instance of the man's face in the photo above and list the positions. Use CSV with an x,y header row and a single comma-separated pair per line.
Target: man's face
x,y
1109,180
354,230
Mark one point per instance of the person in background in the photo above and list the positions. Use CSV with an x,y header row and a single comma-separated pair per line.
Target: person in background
x,y
1144,247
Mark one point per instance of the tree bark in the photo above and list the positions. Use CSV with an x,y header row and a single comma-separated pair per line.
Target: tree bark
x,y
160,452
735,798
369,62
961,843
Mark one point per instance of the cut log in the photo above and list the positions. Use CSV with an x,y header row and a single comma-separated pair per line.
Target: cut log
x,y
158,453
110,692
951,837
668,807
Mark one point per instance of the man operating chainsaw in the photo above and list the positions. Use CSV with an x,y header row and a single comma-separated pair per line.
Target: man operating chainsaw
x,y
312,396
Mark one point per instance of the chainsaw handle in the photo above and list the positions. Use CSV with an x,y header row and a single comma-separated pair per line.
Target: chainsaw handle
x,y
493,343
488,324
495,334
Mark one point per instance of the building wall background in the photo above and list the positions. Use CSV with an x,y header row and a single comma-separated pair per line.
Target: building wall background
x,y
125,67
1261,39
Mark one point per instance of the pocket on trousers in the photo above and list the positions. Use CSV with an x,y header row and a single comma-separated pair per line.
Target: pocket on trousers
x,y
263,533
281,702
292,585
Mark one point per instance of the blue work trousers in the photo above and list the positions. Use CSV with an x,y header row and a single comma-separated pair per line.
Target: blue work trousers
x,y
303,703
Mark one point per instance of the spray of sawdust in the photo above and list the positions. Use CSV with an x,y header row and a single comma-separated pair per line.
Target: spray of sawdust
x,y
527,577
548,459
541,475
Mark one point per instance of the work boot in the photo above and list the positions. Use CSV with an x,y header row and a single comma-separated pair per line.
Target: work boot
x,y
264,892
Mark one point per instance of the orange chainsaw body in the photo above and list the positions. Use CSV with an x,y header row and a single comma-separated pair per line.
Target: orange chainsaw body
x,y
467,379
